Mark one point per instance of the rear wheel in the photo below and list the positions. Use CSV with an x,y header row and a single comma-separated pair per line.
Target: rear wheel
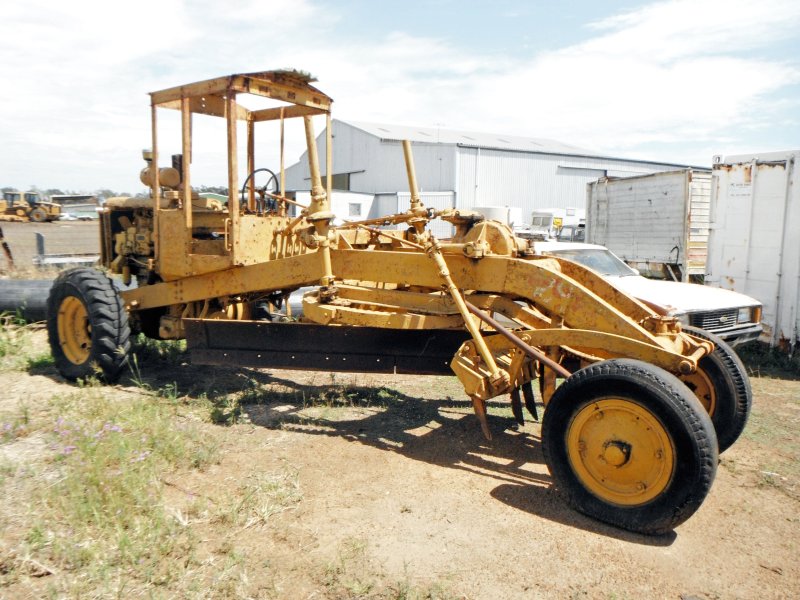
x,y
628,444
87,325
723,388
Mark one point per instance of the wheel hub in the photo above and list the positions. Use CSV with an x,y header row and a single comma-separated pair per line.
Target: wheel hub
x,y
620,451
74,330
702,387
616,453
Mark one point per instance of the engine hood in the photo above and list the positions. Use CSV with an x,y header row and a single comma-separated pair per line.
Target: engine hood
x,y
680,297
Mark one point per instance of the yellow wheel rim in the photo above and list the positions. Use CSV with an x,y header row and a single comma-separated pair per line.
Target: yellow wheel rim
x,y
74,330
620,452
703,388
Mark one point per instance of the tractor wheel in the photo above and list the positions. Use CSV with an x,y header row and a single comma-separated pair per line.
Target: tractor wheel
x,y
723,388
38,215
628,444
87,325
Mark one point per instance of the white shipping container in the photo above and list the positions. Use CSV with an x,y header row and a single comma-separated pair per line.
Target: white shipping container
x,y
657,223
754,245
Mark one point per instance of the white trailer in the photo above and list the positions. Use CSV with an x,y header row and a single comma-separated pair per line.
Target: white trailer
x,y
656,223
546,223
754,246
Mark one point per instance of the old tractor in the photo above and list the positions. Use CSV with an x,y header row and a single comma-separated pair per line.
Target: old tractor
x,y
634,406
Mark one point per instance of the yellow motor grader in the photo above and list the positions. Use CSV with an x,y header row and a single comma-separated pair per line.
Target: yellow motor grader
x,y
636,408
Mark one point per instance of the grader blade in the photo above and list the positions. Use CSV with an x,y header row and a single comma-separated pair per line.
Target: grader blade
x,y
321,348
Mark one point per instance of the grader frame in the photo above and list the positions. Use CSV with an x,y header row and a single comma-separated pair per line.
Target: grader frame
x,y
399,300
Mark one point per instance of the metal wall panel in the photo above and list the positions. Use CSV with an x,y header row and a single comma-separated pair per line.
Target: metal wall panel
x,y
754,242
640,219
384,204
378,166
478,176
655,219
340,204
533,181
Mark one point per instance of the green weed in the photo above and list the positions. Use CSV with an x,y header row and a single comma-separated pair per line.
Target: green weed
x,y
169,351
15,342
760,359
103,516
41,362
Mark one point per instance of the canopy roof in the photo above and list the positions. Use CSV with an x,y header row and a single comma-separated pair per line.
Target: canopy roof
x,y
289,86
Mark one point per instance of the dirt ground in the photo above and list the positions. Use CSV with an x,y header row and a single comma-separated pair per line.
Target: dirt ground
x,y
401,496
402,487
61,237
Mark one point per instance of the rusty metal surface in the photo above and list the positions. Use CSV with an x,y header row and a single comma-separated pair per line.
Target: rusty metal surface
x,y
517,342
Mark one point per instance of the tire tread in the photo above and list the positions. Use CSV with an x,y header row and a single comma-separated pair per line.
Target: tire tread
x,y
111,343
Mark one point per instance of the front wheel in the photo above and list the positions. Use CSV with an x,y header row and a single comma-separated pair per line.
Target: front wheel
x,y
628,444
87,325
38,215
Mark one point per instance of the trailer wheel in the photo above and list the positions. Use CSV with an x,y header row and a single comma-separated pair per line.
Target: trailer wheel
x,y
628,444
38,215
87,325
723,388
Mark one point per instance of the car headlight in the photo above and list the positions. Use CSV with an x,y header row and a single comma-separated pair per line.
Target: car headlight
x,y
745,315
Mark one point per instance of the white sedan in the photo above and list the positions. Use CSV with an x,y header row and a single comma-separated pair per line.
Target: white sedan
x,y
734,317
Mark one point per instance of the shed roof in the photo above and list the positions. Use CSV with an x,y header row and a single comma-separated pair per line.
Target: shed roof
x,y
435,135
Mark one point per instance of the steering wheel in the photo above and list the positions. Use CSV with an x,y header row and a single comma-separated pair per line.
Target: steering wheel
x,y
264,203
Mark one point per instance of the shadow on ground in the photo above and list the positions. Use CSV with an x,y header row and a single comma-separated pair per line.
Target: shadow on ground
x,y
442,432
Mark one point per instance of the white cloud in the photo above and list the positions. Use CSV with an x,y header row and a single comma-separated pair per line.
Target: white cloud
x,y
679,72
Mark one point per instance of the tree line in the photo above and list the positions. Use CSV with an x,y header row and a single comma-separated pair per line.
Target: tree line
x,y
105,192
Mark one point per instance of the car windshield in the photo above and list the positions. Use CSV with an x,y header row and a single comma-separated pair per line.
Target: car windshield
x,y
600,260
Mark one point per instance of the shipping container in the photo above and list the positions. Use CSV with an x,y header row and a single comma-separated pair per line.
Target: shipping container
x,y
754,244
656,223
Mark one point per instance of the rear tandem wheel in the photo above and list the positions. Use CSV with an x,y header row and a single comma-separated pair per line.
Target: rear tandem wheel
x,y
628,444
723,388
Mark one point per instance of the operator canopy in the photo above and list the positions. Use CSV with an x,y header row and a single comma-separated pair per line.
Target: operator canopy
x,y
287,86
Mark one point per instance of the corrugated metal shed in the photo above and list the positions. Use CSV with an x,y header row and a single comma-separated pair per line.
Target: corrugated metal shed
x,y
435,135
479,169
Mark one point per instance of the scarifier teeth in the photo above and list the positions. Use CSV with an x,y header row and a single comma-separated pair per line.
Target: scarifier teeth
x,y
516,406
479,406
530,401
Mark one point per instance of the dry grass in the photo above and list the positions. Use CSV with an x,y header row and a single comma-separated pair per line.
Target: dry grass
x,y
96,499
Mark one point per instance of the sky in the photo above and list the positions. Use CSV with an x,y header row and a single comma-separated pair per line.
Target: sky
x,y
677,81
